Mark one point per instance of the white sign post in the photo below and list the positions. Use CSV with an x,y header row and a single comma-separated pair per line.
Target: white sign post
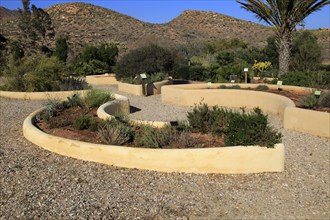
x,y
246,70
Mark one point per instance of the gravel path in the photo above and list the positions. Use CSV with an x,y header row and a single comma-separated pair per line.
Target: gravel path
x,y
39,184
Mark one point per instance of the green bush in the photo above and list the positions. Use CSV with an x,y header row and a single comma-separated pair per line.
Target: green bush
x,y
308,101
150,59
52,107
229,87
73,83
181,72
205,119
251,129
324,100
116,131
262,87
95,98
237,129
39,74
314,79
96,59
306,52
82,122
311,101
151,137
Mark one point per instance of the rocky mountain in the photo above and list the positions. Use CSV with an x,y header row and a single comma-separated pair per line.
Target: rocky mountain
x,y
85,23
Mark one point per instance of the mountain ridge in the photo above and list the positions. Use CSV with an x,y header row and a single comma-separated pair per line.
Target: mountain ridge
x,y
85,23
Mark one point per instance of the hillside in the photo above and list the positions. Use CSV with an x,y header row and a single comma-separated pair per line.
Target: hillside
x,y
85,23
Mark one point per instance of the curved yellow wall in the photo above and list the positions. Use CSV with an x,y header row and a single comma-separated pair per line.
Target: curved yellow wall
x,y
39,95
233,160
307,121
106,79
150,88
189,95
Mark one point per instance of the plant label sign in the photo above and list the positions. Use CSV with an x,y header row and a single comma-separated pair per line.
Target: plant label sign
x,y
143,76
318,93
209,83
246,69
279,83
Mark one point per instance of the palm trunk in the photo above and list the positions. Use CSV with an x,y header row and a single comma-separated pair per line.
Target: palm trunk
x,y
284,49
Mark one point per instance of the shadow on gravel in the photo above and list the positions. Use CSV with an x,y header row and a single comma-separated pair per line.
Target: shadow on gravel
x,y
133,109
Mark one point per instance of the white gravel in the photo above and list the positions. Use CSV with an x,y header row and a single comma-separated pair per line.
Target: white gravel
x,y
37,184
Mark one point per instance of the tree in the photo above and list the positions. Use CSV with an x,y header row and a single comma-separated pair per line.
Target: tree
x,y
96,59
17,50
24,22
284,15
35,23
61,49
150,59
306,52
42,23
3,52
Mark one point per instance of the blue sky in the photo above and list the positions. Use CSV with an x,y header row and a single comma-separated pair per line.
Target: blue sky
x,y
161,11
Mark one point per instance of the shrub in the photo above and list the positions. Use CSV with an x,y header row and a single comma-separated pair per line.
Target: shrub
x,y
229,87
237,129
52,107
75,101
151,137
116,131
96,59
73,83
262,87
38,74
205,119
306,52
314,79
251,129
82,122
324,100
181,72
150,59
308,101
95,98
61,48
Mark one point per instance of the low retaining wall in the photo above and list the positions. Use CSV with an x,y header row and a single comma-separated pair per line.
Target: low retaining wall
x,y
107,110
308,121
39,95
119,105
105,79
232,160
189,95
150,88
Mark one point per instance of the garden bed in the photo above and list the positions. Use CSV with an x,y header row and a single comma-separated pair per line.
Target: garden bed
x,y
297,96
63,125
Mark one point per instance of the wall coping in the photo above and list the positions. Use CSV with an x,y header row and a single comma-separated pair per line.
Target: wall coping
x,y
39,95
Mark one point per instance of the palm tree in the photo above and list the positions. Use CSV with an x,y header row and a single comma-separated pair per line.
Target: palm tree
x,y
284,15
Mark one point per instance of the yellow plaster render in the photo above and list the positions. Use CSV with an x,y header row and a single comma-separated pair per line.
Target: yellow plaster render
x,y
106,79
150,88
39,95
307,121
